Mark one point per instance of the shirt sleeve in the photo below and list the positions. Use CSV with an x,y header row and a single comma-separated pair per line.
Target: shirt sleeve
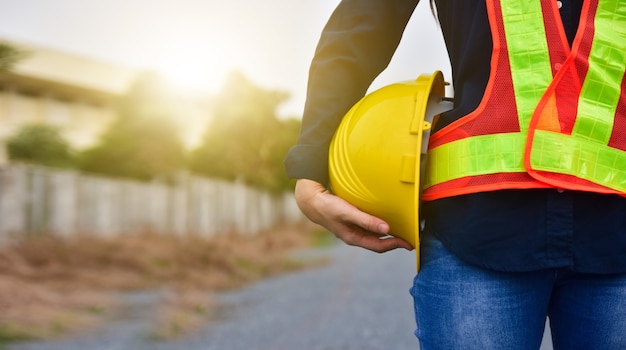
x,y
355,46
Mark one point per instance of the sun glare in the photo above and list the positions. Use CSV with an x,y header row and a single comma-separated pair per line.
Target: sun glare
x,y
193,75
197,70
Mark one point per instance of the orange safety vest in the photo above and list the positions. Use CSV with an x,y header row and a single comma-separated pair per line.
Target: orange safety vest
x,y
550,117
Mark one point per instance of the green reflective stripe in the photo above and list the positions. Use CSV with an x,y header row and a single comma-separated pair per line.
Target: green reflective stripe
x,y
528,55
585,159
478,155
601,89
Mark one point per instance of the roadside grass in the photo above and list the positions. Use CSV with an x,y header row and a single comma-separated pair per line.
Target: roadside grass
x,y
183,312
322,238
52,286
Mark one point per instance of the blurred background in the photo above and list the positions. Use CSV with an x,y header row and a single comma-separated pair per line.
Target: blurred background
x,y
133,121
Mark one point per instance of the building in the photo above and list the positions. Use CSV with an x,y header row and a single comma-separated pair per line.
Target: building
x,y
77,94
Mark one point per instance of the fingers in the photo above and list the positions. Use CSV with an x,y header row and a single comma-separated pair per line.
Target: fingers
x,y
374,242
360,229
351,215
348,223
371,233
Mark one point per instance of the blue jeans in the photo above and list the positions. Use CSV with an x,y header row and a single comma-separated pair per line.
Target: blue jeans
x,y
460,306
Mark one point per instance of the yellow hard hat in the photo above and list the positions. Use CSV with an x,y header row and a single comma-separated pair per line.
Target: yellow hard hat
x,y
374,159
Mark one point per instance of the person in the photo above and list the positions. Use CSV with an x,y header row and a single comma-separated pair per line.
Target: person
x,y
536,230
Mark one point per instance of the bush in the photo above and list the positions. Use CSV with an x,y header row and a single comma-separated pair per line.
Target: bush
x,y
40,144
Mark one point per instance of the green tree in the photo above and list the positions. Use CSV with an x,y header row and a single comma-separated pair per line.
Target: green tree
x,y
40,144
245,140
9,56
143,142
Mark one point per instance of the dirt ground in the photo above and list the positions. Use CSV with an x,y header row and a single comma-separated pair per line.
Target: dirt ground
x,y
51,286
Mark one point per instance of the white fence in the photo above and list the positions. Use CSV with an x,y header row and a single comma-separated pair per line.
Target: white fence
x,y
41,200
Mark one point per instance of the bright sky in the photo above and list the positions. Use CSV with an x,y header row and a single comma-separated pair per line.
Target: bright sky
x,y
196,42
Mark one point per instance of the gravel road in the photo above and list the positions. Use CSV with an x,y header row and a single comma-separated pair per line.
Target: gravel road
x,y
360,301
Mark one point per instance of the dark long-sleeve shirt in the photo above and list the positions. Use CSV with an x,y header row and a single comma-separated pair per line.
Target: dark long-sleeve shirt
x,y
508,230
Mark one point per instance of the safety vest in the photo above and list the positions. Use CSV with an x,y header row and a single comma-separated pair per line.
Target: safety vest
x,y
551,116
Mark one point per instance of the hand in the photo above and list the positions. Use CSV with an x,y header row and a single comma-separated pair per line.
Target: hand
x,y
345,221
